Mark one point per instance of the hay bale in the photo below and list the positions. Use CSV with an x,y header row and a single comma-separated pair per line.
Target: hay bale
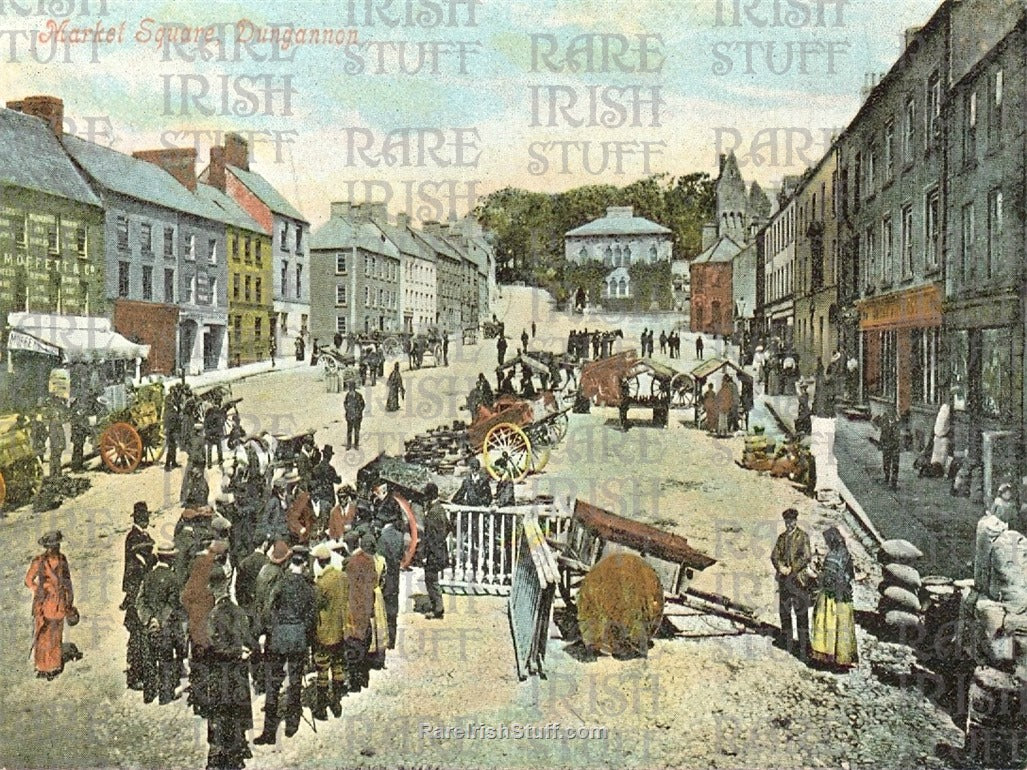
x,y
903,576
899,552
620,605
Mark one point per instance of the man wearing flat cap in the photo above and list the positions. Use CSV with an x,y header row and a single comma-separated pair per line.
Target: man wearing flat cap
x,y
476,489
198,600
230,713
329,652
53,599
273,525
139,560
160,612
790,557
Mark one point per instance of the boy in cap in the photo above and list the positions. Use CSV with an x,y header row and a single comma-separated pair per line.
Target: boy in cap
x,y
53,600
139,560
159,610
790,557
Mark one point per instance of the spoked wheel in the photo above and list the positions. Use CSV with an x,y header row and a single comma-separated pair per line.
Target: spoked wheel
x,y
121,448
682,391
558,428
391,347
507,451
658,389
539,457
633,387
153,445
329,364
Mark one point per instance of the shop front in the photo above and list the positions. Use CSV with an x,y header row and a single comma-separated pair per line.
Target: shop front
x,y
901,341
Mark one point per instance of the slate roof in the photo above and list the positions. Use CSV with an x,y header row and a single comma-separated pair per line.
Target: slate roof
x,y
341,233
137,178
438,245
724,250
619,225
268,195
401,239
33,158
231,212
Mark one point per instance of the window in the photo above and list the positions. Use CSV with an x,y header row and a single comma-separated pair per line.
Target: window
x,y
871,181
81,240
299,281
932,218
190,290
235,246
169,286
995,118
248,294
886,376
967,253
169,242
970,127
340,262
340,324
933,106
53,236
235,286
995,216
258,252
237,328
868,250
887,249
367,265
381,298
146,238
367,296
190,246
889,139
122,229
258,289
910,133
340,294
285,278
299,239
258,328
996,373
148,282
283,236
212,289
907,241
212,251
123,279
246,249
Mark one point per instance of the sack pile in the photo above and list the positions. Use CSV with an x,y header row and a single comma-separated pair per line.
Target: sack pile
x,y
900,602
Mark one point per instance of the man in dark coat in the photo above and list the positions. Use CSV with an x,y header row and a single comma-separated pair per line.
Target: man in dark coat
x,y
790,557
475,489
891,443
485,395
386,509
55,430
362,579
160,613
214,434
390,546
139,560
292,617
436,552
267,578
323,479
273,525
172,425
445,350
230,713
353,405
524,340
501,348
699,345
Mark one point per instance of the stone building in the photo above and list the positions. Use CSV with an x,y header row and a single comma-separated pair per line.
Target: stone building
x,y
741,210
417,282
449,274
619,240
778,271
713,298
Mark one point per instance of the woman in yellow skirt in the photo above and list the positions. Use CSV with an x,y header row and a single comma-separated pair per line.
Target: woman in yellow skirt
x,y
834,626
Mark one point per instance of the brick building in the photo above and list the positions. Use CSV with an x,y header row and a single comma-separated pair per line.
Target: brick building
x,y
712,310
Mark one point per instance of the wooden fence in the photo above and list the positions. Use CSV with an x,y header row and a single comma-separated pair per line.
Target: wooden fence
x,y
531,597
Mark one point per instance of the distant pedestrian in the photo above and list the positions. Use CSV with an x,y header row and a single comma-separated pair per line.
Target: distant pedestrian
x,y
53,600
395,390
445,350
834,625
890,444
699,345
353,405
533,330
272,349
663,342
791,557
524,340
300,348
501,348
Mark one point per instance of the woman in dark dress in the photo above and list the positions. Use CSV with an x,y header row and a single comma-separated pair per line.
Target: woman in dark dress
x,y
395,390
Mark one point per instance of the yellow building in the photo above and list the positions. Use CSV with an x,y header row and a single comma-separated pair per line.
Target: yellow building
x,y
250,298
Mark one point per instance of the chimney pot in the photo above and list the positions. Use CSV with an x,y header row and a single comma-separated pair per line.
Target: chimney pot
x,y
340,209
49,109
180,162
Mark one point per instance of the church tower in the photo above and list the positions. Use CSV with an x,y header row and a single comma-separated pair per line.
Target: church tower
x,y
732,200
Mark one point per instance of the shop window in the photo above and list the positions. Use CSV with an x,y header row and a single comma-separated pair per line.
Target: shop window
x,y
996,367
926,344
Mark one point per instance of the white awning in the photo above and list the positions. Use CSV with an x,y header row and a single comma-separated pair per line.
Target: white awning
x,y
76,338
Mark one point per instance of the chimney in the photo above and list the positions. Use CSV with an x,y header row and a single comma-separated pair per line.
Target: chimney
x,y
709,235
216,169
180,162
910,35
723,160
432,227
47,108
360,212
237,151
402,220
340,209
379,212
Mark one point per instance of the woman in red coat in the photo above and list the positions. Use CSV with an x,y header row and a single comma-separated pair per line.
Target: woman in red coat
x,y
50,578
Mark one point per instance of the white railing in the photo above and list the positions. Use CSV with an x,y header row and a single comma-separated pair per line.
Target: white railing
x,y
486,541
531,598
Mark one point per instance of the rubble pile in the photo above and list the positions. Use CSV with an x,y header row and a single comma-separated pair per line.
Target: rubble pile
x,y
56,490
439,449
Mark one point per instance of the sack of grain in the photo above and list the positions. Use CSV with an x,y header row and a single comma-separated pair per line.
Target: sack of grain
x,y
906,623
1008,574
899,552
903,576
901,599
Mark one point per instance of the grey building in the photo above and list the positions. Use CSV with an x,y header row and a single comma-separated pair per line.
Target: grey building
x,y
166,272
449,272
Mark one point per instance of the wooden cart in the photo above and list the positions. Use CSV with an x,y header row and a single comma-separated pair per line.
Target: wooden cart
x,y
515,435
134,433
642,381
21,473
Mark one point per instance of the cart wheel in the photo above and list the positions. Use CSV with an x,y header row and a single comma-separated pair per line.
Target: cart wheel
x,y
633,387
658,389
391,347
507,447
558,428
404,506
153,446
682,391
3,490
329,365
539,457
121,448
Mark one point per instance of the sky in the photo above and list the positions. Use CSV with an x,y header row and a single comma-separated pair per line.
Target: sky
x,y
429,105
